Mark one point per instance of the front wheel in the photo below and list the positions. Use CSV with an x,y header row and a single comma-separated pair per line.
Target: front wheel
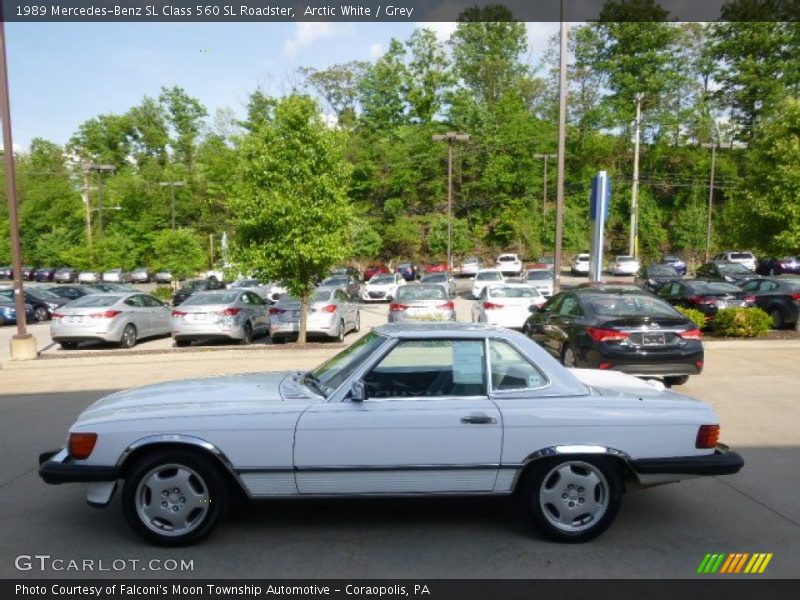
x,y
358,322
339,337
128,339
247,335
573,499
568,357
40,313
174,498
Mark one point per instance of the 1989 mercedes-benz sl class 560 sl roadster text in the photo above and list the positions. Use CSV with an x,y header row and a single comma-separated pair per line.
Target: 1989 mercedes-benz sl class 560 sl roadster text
x,y
419,409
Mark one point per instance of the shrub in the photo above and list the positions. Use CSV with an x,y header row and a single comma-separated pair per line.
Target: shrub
x,y
693,315
163,292
741,322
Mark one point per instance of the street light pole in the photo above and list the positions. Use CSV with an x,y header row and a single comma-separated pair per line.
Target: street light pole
x,y
450,137
99,169
23,345
562,139
633,247
713,147
546,157
172,185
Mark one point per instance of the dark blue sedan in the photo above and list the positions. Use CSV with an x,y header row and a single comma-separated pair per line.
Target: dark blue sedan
x,y
8,313
676,262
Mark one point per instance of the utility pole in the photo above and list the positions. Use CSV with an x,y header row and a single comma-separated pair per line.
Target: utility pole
x,y
633,246
173,185
562,138
544,193
713,147
450,137
87,207
23,345
100,169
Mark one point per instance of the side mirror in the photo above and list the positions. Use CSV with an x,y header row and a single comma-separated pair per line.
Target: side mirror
x,y
389,298
358,392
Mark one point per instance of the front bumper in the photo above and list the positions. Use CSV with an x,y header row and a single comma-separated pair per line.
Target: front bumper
x,y
57,467
722,462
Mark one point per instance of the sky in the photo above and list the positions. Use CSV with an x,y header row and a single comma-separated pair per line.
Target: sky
x,y
62,74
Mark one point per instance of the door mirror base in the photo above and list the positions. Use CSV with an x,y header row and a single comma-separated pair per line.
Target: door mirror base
x,y
358,392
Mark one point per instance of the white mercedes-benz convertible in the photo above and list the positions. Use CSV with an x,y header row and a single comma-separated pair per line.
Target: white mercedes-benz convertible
x,y
422,409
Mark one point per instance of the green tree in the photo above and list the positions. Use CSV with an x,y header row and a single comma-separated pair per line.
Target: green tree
x,y
185,115
429,75
461,241
338,86
179,251
290,206
382,91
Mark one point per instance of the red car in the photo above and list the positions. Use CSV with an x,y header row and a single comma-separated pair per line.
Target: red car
x,y
375,269
437,268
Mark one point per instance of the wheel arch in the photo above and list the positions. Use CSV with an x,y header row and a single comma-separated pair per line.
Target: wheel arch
x,y
196,445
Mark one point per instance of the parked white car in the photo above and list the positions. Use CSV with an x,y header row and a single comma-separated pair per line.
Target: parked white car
x,y
275,290
424,409
507,305
89,277
579,265
541,279
484,277
469,266
742,257
509,264
625,265
382,287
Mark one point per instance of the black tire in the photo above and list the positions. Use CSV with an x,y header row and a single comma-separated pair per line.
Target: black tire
x,y
566,352
182,343
772,272
128,339
206,483
550,506
278,340
675,380
777,318
69,345
40,313
248,335
342,331
358,321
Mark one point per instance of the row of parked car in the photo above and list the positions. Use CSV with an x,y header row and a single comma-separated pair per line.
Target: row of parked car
x,y
70,275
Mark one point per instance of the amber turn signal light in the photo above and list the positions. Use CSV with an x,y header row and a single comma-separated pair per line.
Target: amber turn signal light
x,y
81,445
707,436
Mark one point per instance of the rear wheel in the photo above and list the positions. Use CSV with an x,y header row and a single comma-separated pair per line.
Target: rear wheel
x,y
182,343
568,358
777,318
339,337
69,345
248,335
573,499
278,340
128,339
675,380
358,322
40,313
174,497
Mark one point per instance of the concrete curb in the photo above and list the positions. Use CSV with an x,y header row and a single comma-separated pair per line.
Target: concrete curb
x,y
754,344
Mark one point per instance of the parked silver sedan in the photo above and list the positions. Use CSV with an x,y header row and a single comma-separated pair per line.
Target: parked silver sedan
x,y
116,276
443,279
423,302
236,314
122,318
331,314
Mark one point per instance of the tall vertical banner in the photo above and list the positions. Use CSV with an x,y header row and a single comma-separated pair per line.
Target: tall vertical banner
x,y
598,213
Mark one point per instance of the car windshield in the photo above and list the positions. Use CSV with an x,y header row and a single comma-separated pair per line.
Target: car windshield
x,y
319,296
792,284
662,271
95,301
673,259
625,259
489,276
438,278
409,293
507,258
538,275
43,294
469,261
192,285
733,269
215,298
246,283
513,292
713,287
333,372
582,258
741,255
382,280
335,281
629,305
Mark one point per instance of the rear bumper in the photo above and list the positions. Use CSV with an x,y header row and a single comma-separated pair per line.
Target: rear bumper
x,y
56,467
722,462
676,361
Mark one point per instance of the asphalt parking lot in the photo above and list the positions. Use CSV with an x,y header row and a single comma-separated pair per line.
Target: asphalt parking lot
x,y
663,532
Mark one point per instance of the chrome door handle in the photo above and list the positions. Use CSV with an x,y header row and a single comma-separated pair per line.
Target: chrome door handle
x,y
478,419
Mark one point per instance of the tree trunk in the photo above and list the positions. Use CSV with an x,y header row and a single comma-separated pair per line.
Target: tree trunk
x,y
301,336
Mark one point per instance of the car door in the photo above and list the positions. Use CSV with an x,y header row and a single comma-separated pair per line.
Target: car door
x,y
345,309
563,323
159,315
259,308
541,327
139,315
427,425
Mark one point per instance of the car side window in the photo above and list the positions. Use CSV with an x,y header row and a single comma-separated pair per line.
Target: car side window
x,y
135,301
511,370
751,286
570,307
151,302
429,368
768,286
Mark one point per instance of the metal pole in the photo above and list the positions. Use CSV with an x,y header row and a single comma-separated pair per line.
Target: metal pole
x,y
544,193
562,135
449,202
633,247
710,200
11,191
100,202
87,205
172,187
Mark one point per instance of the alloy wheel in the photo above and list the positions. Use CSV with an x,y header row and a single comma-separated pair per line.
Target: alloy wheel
x,y
574,496
172,499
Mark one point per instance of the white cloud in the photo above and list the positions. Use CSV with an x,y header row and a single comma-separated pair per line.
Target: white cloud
x,y
442,29
306,34
376,50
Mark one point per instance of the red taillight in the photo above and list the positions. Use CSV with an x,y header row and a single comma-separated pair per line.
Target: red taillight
x,y
691,334
80,445
795,296
699,364
329,308
447,306
702,300
491,306
56,316
276,311
707,436
106,314
178,313
394,307
606,335
228,312
750,299
604,365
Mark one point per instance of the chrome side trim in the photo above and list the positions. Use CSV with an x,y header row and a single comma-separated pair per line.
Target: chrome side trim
x,y
188,440
565,449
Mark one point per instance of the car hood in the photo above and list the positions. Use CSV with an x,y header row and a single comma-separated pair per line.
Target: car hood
x,y
226,395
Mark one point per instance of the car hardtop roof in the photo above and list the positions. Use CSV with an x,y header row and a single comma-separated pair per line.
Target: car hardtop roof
x,y
613,289
443,329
